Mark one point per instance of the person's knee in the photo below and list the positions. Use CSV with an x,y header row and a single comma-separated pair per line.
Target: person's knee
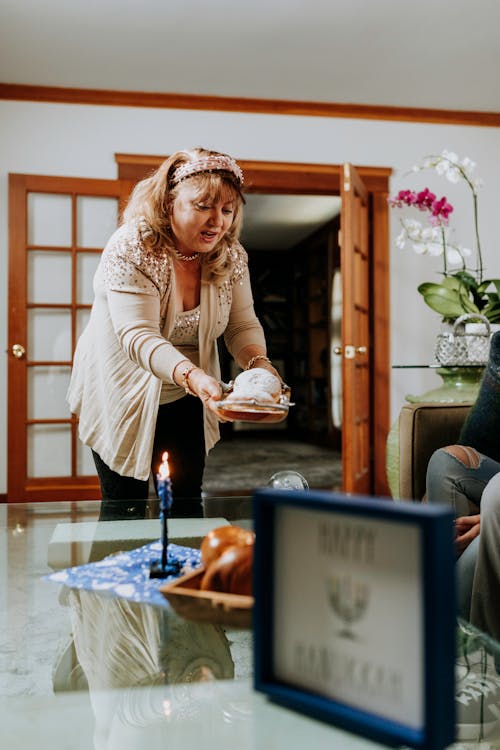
x,y
469,457
445,460
445,467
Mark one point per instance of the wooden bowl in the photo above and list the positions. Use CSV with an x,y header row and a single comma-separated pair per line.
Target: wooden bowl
x,y
185,596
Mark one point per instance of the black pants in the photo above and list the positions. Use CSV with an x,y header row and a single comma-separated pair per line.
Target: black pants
x,y
179,430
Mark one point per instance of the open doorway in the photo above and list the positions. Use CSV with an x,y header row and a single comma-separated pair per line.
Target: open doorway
x,y
292,244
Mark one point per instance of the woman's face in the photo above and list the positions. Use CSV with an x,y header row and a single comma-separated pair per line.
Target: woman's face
x,y
199,224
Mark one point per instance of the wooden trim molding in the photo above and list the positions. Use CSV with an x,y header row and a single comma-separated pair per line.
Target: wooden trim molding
x,y
269,176
116,98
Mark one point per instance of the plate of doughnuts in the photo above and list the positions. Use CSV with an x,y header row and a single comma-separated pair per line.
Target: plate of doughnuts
x,y
255,395
220,590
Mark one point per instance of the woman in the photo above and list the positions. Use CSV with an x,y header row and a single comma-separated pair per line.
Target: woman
x,y
172,279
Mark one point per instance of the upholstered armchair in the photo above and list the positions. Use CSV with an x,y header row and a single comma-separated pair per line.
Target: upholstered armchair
x,y
423,428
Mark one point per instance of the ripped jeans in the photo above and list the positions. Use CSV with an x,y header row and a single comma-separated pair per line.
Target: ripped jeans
x,y
470,482
457,476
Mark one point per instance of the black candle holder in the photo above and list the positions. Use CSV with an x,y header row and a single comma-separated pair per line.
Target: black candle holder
x,y
158,570
164,567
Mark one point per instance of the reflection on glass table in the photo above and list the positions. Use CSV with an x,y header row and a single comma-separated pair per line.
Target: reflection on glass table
x,y
81,669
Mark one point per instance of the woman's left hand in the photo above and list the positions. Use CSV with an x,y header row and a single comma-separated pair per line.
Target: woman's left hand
x,y
269,367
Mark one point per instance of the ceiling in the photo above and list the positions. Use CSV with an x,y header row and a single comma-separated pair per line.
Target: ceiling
x,y
441,54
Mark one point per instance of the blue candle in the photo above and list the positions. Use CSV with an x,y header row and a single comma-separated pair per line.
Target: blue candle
x,y
164,489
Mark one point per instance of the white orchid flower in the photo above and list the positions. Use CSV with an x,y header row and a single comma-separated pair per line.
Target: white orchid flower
x,y
468,165
431,234
441,167
419,248
452,174
401,239
434,248
413,227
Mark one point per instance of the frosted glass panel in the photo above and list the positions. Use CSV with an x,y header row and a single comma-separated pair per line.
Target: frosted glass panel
x,y
86,265
85,465
49,219
47,387
82,317
49,277
49,450
49,335
97,219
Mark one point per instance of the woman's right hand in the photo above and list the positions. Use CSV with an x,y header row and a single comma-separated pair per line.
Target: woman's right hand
x,y
208,389
204,386
467,528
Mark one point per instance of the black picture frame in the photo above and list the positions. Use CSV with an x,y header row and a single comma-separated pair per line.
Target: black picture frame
x,y
419,573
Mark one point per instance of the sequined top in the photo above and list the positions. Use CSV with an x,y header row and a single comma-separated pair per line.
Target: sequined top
x,y
185,330
184,336
126,351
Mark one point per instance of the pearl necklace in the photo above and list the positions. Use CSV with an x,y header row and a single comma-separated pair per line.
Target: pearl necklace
x,y
185,257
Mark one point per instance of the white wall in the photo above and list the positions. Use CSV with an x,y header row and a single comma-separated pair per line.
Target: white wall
x,y
80,141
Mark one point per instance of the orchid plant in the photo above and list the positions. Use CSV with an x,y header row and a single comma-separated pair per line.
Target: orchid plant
x,y
463,290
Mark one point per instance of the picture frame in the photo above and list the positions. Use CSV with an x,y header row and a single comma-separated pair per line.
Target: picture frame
x,y
355,613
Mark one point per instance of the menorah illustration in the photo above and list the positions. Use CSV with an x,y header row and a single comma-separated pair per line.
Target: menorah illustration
x,y
349,599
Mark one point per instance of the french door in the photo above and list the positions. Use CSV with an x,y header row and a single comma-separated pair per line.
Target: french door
x,y
58,227
355,349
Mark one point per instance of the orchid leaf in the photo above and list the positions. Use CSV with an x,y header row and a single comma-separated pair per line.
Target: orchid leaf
x,y
450,282
445,301
466,278
486,283
492,311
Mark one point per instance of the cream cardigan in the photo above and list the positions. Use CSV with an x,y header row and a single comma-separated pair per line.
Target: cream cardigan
x,y
123,354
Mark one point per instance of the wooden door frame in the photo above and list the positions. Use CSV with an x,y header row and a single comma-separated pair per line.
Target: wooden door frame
x,y
290,178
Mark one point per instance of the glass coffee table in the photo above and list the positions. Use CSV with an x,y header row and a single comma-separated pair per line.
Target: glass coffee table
x,y
80,668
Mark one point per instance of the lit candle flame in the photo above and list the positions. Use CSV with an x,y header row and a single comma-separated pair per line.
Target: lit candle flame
x,y
164,471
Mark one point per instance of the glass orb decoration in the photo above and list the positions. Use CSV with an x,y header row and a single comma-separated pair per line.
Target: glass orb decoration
x,y
288,480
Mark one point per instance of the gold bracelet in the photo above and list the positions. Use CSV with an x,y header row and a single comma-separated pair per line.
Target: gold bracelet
x,y
184,379
255,359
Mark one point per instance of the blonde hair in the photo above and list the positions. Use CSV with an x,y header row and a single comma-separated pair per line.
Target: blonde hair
x,y
151,198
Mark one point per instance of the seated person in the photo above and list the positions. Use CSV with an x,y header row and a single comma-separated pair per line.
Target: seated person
x,y
470,482
467,477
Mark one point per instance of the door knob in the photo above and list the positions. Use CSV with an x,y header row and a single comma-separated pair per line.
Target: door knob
x,y
18,351
350,351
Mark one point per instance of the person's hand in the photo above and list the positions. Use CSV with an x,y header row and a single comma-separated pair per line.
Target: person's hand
x,y
208,389
467,528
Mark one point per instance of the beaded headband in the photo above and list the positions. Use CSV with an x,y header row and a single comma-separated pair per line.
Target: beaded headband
x,y
207,164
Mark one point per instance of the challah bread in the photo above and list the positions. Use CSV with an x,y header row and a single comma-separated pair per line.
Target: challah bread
x,y
219,539
227,554
231,572
258,384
